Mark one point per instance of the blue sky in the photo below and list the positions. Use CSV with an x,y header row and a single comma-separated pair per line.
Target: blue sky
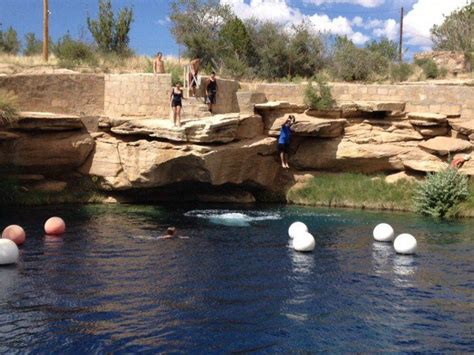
x,y
360,20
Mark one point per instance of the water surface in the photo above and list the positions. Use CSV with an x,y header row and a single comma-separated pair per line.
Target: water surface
x,y
110,286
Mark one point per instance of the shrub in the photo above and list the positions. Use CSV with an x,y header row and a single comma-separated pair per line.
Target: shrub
x,y
32,45
320,98
350,63
401,72
440,193
71,52
429,66
175,70
9,42
8,107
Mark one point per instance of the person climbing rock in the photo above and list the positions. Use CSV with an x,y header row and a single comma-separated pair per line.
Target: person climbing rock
x,y
158,64
284,141
459,161
211,91
176,103
193,74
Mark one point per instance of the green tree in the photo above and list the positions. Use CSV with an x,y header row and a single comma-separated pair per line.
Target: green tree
x,y
386,48
110,33
197,24
349,62
71,52
32,45
9,42
271,44
456,33
305,51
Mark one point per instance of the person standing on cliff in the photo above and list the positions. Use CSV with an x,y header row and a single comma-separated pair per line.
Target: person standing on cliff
x,y
158,64
211,91
193,74
176,103
284,140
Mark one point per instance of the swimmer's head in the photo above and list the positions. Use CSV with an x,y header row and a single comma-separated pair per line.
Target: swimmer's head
x,y
171,230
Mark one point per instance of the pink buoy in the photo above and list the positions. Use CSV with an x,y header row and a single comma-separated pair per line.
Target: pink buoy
x,y
54,226
15,233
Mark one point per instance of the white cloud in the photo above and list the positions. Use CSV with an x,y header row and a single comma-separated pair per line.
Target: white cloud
x,y
358,21
266,10
425,14
364,3
337,26
390,29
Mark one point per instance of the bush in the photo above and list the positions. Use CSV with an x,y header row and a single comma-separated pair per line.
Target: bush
x,y
8,107
350,63
9,42
440,194
71,52
33,45
175,70
320,98
401,72
429,66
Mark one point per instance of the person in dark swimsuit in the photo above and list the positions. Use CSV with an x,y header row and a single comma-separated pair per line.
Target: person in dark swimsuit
x,y
211,91
176,98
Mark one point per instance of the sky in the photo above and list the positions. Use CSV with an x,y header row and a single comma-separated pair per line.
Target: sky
x,y
360,20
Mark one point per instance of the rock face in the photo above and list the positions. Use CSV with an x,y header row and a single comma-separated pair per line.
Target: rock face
x,y
247,100
445,145
46,121
310,126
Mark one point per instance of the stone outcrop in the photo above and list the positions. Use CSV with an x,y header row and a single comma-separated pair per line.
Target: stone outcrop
x,y
308,126
454,62
46,121
445,145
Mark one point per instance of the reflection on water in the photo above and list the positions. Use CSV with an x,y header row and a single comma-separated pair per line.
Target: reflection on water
x,y
108,285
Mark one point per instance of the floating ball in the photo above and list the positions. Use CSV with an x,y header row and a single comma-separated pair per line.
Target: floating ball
x,y
405,244
14,233
8,252
383,232
54,226
297,228
304,242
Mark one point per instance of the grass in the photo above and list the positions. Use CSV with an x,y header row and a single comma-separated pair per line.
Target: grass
x,y
362,191
8,107
82,190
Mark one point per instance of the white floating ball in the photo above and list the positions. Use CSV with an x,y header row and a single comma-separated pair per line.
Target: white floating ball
x,y
383,232
8,252
304,242
405,244
297,228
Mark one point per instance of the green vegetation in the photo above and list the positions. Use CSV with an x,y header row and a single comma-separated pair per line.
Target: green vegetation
x,y
440,194
33,45
8,107
111,33
320,98
354,190
430,68
83,190
362,191
9,42
401,72
71,52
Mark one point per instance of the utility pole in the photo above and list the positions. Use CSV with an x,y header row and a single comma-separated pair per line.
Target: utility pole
x,y
400,50
45,30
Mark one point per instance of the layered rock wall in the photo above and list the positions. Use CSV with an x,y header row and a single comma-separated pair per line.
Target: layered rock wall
x,y
445,99
61,93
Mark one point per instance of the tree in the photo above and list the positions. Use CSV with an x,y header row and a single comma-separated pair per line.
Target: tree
x,y
9,42
349,62
385,48
32,45
456,33
110,33
197,24
305,51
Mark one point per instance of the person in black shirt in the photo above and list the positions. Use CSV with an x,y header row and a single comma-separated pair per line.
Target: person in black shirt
x,y
211,91
176,97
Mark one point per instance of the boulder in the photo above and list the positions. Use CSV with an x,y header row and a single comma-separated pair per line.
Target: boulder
x,y
402,176
385,132
344,155
47,152
419,160
46,121
427,116
465,127
311,126
468,168
445,145
379,106
247,100
433,131
331,113
250,126
215,129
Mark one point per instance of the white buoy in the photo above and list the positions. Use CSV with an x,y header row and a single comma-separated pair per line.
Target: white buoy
x,y
405,244
8,252
304,242
297,228
383,232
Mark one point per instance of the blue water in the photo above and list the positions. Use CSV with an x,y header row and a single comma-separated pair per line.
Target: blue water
x,y
234,286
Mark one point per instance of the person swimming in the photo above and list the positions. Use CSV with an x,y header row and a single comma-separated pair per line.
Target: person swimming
x,y
171,233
